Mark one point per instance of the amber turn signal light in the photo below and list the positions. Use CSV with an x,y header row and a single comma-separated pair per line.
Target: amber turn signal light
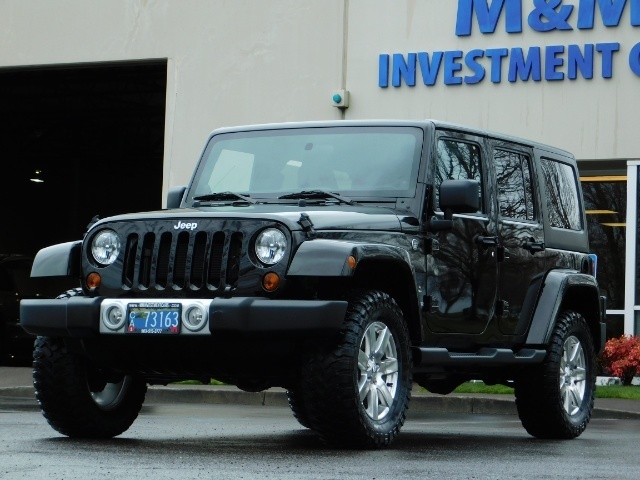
x,y
271,282
94,280
351,261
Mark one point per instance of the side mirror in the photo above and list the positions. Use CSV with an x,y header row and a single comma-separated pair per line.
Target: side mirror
x,y
174,197
459,196
456,196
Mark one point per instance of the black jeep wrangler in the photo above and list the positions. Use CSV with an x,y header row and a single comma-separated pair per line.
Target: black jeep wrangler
x,y
342,261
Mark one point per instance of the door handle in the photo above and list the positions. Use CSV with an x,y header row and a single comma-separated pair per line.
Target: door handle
x,y
486,242
533,247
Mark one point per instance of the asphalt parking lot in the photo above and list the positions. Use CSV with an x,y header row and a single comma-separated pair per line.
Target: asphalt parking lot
x,y
187,440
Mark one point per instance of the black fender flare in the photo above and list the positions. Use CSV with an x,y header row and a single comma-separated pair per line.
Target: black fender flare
x,y
330,258
571,289
61,260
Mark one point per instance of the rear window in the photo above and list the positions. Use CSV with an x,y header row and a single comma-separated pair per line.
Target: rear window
x,y
561,185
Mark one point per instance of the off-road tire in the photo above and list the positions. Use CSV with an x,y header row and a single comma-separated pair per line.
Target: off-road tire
x,y
297,406
540,398
331,377
61,381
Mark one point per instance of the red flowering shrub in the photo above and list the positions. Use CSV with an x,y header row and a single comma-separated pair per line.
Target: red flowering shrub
x,y
621,357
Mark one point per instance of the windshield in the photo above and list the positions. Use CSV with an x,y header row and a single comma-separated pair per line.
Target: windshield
x,y
351,161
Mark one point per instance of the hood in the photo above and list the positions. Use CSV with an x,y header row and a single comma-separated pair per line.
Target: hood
x,y
343,217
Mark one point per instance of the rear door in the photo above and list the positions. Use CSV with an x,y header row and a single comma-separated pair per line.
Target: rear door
x,y
521,233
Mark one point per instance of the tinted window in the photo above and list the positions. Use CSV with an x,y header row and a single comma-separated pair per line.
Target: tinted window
x,y
562,195
457,161
515,192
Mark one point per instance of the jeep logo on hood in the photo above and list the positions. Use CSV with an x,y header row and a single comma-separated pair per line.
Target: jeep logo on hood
x,y
185,226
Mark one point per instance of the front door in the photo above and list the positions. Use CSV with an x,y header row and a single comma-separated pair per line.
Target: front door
x,y
462,264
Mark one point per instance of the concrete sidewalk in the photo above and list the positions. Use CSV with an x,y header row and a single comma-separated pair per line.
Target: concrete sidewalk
x,y
17,382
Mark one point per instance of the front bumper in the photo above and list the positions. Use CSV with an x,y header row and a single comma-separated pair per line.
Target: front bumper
x,y
81,317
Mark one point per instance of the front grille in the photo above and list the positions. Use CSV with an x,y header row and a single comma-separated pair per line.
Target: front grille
x,y
215,259
185,260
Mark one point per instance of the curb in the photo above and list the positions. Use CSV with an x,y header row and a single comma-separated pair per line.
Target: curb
x,y
25,392
276,397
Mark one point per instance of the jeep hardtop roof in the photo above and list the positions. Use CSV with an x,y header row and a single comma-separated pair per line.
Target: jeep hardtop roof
x,y
427,123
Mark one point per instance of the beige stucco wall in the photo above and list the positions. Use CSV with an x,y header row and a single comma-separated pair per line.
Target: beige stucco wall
x,y
253,61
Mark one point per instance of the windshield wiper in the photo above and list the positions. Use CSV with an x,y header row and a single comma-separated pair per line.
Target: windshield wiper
x,y
224,196
317,194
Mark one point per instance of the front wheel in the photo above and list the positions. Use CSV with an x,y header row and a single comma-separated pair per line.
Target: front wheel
x,y
556,400
297,406
79,400
357,392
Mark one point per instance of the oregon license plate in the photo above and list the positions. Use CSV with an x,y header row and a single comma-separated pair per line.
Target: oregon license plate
x,y
154,318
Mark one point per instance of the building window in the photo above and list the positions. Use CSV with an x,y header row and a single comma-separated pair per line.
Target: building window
x,y
605,200
615,325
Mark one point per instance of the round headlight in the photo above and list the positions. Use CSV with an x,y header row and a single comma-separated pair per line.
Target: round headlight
x,y
270,246
105,247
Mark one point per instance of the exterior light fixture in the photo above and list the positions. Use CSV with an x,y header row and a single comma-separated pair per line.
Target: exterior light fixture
x,y
38,177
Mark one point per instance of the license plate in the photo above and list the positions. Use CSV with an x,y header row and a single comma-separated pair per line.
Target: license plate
x,y
154,318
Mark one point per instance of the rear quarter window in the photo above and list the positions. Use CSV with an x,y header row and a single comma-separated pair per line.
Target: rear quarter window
x,y
563,203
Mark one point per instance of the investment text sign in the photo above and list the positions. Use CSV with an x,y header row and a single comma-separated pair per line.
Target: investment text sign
x,y
534,63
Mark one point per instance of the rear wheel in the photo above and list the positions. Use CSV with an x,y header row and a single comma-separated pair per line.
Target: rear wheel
x,y
79,400
556,399
357,392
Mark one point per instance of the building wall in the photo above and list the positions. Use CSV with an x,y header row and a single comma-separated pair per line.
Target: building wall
x,y
253,61
229,61
592,118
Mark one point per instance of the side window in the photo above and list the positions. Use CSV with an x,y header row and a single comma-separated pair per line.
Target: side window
x,y
515,191
562,195
457,160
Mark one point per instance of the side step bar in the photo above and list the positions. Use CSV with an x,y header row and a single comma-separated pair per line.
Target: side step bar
x,y
485,357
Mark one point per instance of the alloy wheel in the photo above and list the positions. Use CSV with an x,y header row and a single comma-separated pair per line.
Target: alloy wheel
x,y
572,375
112,394
377,371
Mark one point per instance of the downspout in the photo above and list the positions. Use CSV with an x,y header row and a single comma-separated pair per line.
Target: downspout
x,y
345,47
